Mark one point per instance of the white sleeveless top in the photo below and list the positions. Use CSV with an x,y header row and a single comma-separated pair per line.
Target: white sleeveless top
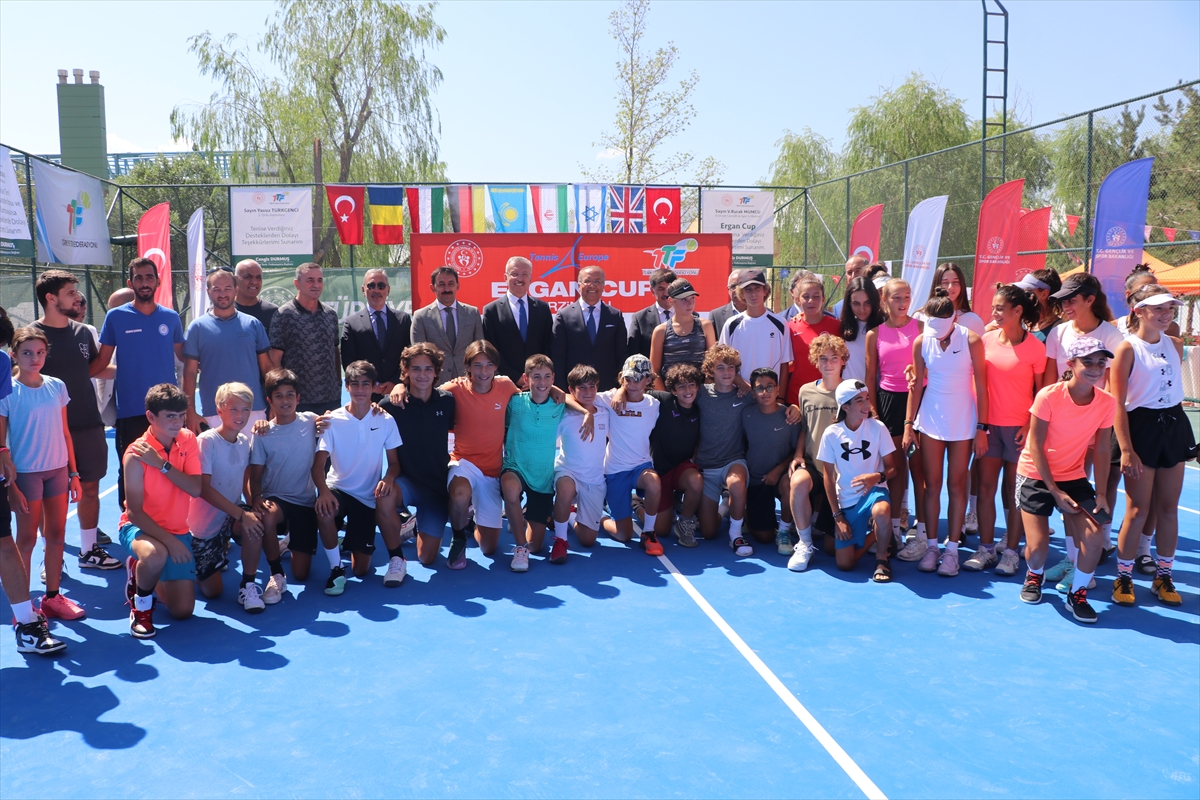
x,y
948,411
1156,380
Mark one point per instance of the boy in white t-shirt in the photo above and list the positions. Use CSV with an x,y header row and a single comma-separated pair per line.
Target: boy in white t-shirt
x,y
219,514
856,457
579,465
357,487
759,335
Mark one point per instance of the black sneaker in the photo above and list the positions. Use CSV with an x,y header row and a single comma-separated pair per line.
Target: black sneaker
x,y
1031,592
102,537
1080,608
337,581
456,558
34,637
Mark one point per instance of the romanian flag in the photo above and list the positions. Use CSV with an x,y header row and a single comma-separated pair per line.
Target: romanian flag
x,y
387,214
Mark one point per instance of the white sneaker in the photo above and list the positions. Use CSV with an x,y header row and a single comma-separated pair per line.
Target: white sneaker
x,y
913,550
250,598
397,569
1010,562
276,586
971,523
980,560
801,556
520,559
929,560
408,526
284,544
949,566
905,516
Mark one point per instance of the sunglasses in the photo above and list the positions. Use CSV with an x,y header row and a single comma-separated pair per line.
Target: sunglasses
x,y
374,286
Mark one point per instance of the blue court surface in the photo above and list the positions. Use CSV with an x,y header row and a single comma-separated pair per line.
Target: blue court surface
x,y
616,675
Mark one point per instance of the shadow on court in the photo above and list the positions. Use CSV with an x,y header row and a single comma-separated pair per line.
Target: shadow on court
x,y
40,699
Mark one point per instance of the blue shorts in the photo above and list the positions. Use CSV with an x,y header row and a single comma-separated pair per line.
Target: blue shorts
x,y
433,511
172,571
859,517
619,487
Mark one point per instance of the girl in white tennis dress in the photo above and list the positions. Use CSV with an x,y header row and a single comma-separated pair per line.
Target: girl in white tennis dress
x,y
950,413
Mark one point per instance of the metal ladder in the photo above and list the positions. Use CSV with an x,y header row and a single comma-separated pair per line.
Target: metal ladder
x,y
993,170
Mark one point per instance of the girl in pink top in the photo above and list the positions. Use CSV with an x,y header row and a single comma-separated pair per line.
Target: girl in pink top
x,y
1015,360
889,354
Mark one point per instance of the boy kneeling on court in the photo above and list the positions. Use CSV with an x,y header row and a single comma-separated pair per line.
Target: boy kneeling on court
x,y
162,475
356,443
856,457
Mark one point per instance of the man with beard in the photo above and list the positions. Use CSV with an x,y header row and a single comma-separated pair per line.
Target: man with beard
x,y
151,338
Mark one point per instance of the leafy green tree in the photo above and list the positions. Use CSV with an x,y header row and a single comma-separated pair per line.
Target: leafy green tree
x,y
804,159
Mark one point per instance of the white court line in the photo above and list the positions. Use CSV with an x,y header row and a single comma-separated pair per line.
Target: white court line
x,y
105,493
832,747
1185,508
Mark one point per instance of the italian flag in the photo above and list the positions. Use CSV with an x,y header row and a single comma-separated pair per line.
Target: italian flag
x,y
550,207
426,208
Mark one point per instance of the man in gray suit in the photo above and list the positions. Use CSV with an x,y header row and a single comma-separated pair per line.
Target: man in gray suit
x,y
447,324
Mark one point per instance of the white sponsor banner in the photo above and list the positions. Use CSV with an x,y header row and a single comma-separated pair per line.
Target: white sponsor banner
x,y
69,214
196,263
15,240
271,224
749,216
921,247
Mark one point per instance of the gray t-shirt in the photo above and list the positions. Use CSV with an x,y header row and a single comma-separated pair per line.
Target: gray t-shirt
x,y
71,352
227,350
721,436
769,440
286,452
226,462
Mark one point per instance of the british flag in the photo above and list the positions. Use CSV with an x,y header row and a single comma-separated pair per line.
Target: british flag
x,y
626,209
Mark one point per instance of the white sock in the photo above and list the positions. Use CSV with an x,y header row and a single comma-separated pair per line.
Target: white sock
x,y
972,503
23,612
904,499
1106,532
335,557
560,530
895,526
805,535
951,546
87,539
1072,550
1143,545
648,524
143,603
1081,580
921,531
735,528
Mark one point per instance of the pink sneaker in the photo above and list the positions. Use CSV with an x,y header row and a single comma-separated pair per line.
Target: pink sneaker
x,y
61,607
929,561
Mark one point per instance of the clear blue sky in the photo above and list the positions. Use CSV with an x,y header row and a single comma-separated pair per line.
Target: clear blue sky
x,y
529,86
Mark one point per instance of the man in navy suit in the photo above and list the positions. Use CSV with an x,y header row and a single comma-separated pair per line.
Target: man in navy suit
x,y
377,334
590,332
518,325
641,327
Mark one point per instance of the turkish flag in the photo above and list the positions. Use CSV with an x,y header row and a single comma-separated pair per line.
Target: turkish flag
x,y
154,243
864,236
662,210
346,206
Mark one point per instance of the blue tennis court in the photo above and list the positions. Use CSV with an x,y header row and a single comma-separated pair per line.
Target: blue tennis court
x,y
616,675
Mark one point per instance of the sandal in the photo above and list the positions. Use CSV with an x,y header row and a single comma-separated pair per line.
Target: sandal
x,y
883,571
741,547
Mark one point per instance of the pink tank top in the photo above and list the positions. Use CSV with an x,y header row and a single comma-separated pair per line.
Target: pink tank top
x,y
895,346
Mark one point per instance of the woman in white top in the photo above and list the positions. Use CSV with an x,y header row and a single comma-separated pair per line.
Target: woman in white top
x,y
949,423
1155,437
1140,276
1085,312
950,277
860,314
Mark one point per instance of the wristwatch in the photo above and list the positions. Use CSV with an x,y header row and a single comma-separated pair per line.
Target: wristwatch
x,y
165,468
983,426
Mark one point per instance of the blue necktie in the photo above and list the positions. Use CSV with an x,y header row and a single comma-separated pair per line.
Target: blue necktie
x,y
380,326
591,323
522,317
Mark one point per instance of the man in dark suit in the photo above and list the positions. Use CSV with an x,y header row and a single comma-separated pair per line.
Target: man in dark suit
x,y
378,333
518,325
590,332
447,324
719,316
641,327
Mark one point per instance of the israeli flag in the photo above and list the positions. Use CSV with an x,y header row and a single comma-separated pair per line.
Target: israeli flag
x,y
589,207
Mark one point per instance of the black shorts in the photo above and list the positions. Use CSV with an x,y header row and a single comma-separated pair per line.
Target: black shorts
x,y
1162,437
893,406
209,555
300,522
539,506
822,514
359,519
91,453
1034,497
5,512
760,505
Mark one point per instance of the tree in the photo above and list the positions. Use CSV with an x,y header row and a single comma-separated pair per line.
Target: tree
x,y
347,94
804,159
649,112
915,118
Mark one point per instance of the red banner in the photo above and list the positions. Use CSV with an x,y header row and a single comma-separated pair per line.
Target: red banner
x,y
996,243
662,210
864,236
1033,233
627,260
154,243
346,206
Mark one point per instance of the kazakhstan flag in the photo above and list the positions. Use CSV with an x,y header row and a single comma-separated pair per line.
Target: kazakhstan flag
x,y
508,207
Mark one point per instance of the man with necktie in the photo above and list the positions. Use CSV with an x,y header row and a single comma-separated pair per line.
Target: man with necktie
x,y
377,334
590,332
447,324
517,324
641,327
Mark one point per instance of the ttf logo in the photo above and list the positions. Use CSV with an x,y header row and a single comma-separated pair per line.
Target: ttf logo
x,y
670,256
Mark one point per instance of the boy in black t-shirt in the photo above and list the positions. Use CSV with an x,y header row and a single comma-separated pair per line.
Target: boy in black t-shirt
x,y
672,446
772,450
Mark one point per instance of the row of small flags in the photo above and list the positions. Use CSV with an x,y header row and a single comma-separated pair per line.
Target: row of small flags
x,y
1168,233
510,208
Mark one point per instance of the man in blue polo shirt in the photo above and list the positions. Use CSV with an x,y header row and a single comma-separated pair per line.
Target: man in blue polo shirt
x,y
151,338
224,346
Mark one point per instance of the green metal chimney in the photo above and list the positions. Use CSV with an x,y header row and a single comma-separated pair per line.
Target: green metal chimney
x,y
82,135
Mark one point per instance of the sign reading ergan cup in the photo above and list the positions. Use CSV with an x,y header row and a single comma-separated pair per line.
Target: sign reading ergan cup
x,y
627,261
271,224
748,216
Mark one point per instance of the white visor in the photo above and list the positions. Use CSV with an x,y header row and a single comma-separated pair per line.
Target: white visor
x,y
1158,300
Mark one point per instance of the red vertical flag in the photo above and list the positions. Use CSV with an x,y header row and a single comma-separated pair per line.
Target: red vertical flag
x,y
996,243
154,243
864,236
662,210
346,206
1033,233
